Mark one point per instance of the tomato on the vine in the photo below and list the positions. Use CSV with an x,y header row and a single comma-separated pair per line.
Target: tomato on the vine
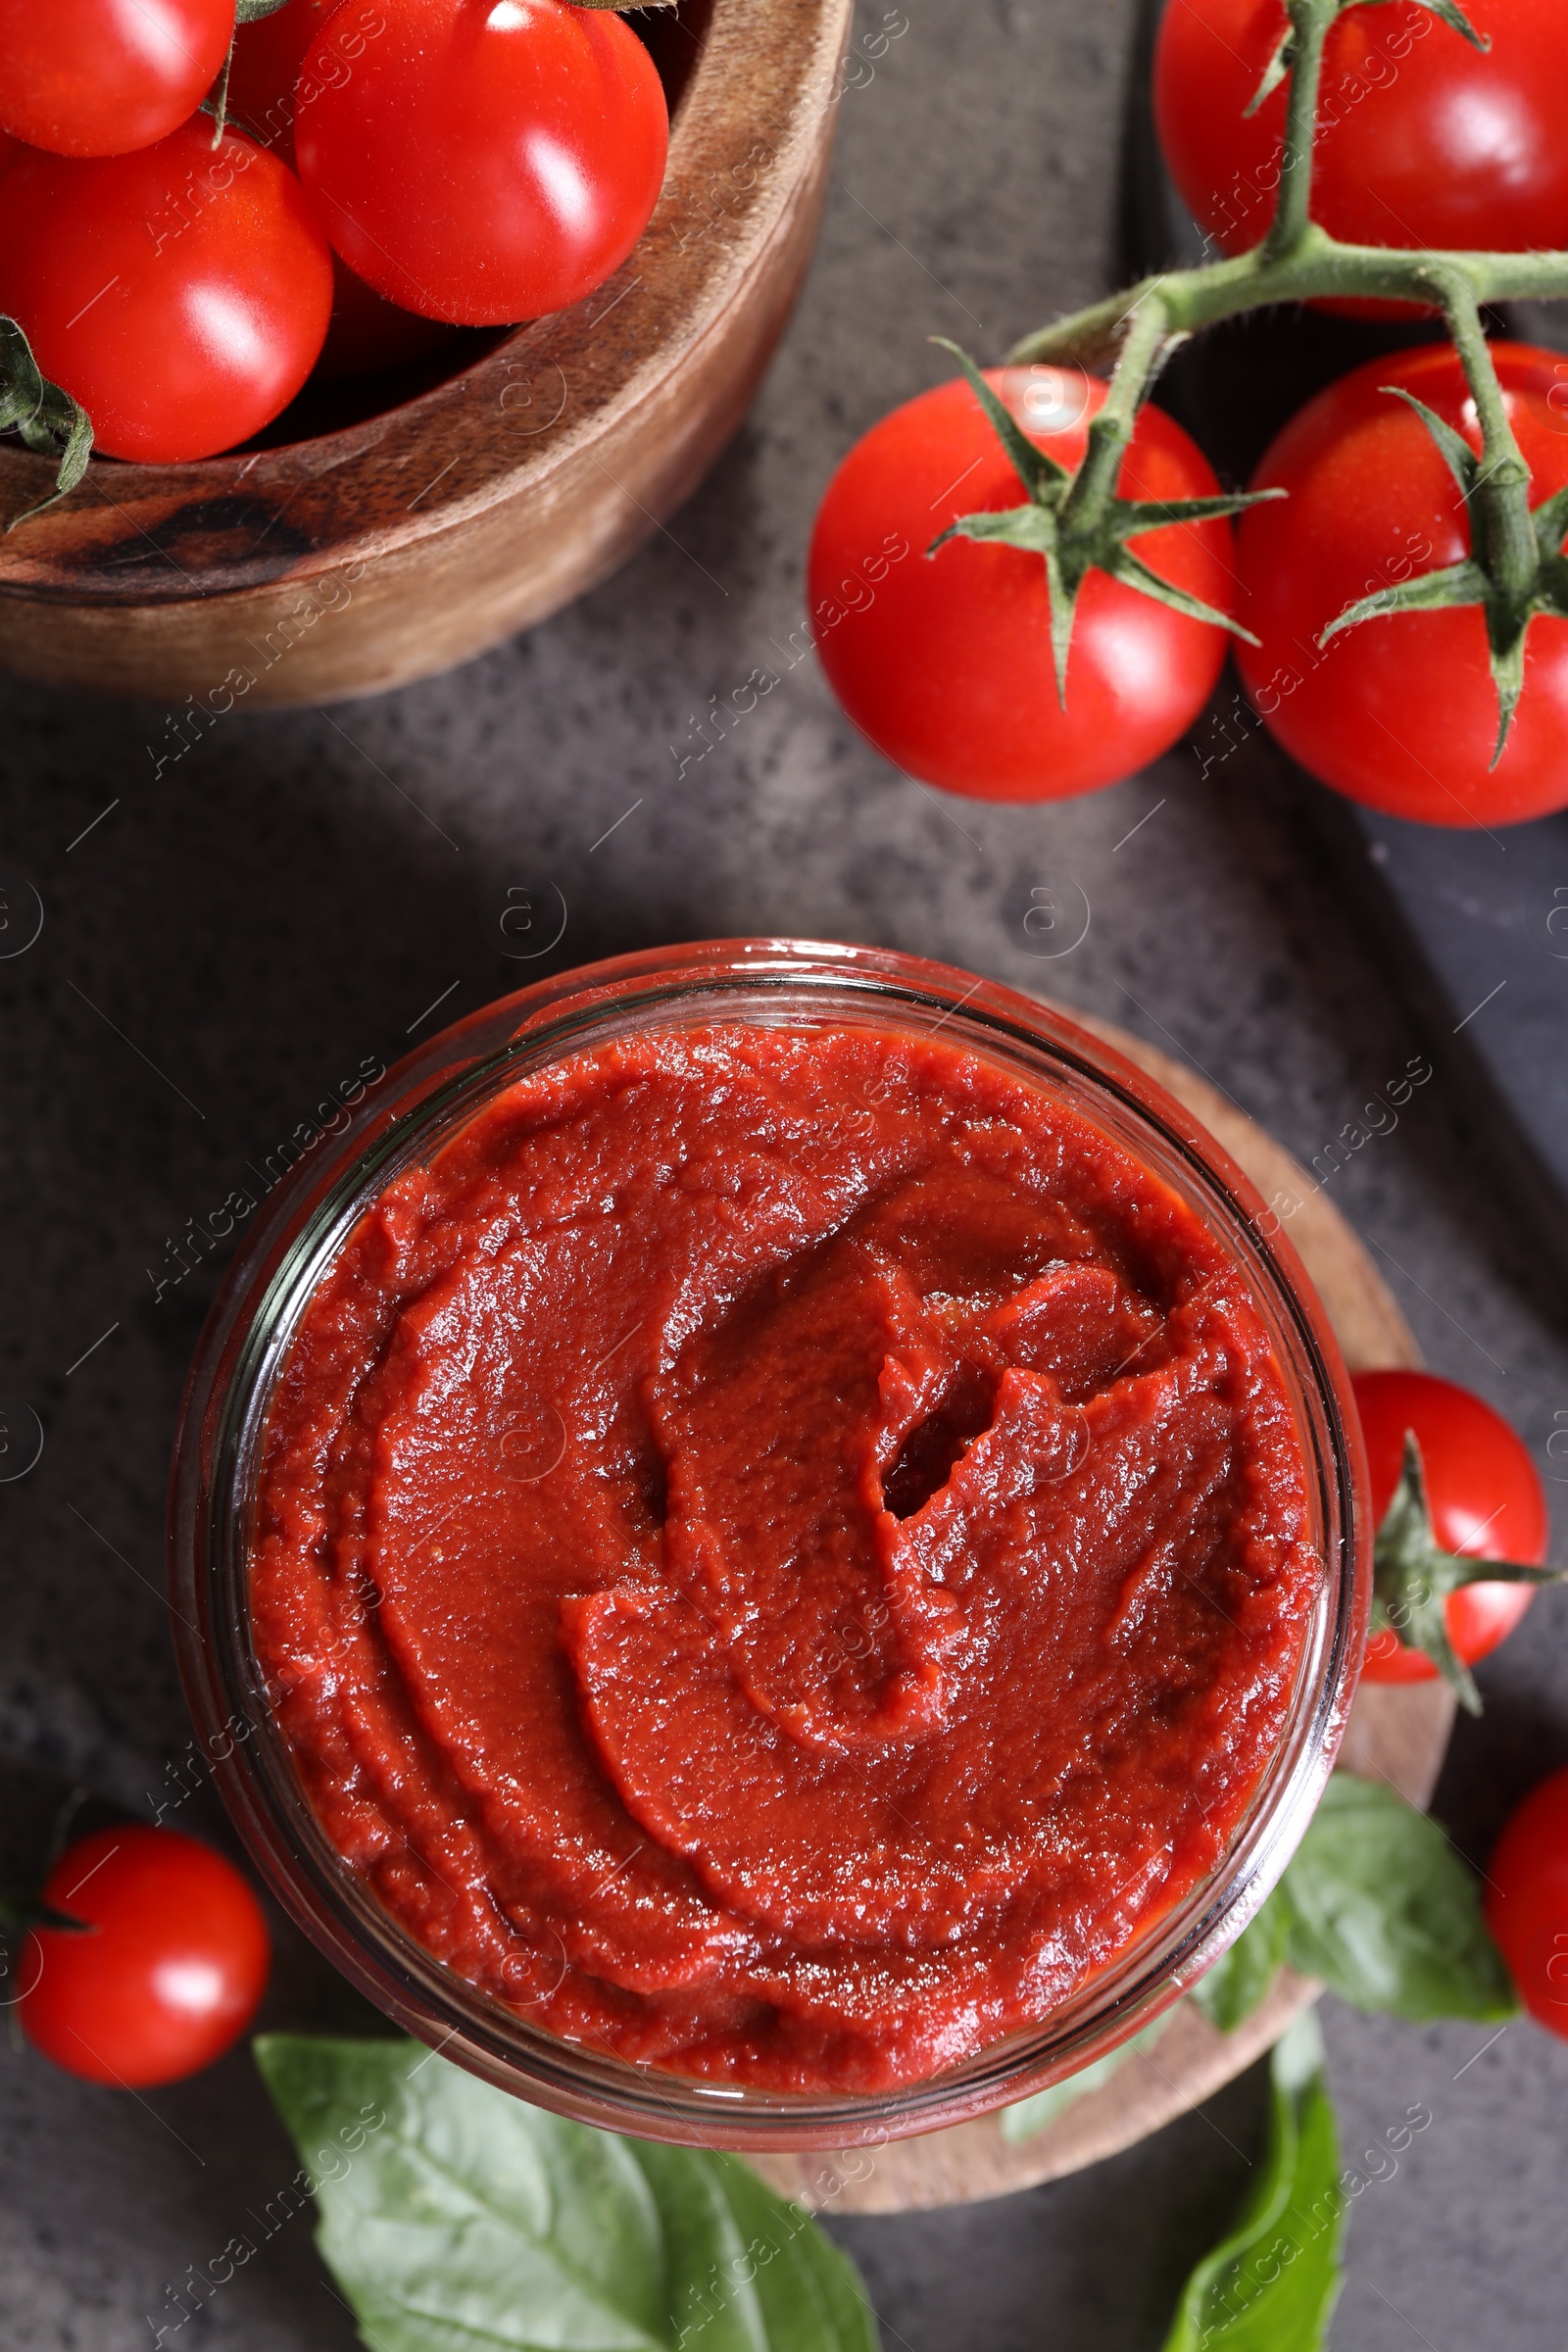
x,y
1422,139
945,661
1526,1901
180,294
1400,711
1486,1498
165,1970
484,163
105,76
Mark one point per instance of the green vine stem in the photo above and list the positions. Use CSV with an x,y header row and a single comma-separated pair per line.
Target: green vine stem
x,y
1508,553
1301,55
1144,346
1515,570
1320,267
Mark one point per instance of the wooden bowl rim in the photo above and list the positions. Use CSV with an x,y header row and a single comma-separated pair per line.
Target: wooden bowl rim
x,y
791,46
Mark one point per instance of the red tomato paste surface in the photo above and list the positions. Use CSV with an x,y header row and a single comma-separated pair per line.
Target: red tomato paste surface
x,y
781,1551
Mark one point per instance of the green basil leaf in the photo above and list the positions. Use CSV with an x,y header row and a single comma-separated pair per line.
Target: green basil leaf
x,y
457,2219
1025,2117
1271,2285
1240,1977
1384,1910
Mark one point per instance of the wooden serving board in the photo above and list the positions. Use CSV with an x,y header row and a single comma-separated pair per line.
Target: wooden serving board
x,y
1397,1733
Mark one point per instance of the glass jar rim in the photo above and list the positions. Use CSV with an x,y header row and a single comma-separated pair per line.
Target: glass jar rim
x,y
418,1106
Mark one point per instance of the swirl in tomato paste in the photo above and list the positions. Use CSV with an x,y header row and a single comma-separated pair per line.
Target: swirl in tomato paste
x,y
781,1552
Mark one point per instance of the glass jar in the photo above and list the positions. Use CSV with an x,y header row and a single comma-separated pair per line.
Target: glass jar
x,y
405,1122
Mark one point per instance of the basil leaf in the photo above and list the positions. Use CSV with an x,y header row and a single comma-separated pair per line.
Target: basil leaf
x,y
457,2219
1271,2285
1240,1977
1377,1903
1384,1910
1025,2117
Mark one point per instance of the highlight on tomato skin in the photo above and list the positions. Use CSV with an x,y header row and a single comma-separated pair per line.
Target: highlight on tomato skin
x,y
96,78
1487,1501
1525,1900
1400,713
486,161
166,1970
945,661
181,294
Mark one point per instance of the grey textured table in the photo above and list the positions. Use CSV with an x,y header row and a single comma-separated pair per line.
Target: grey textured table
x,y
224,942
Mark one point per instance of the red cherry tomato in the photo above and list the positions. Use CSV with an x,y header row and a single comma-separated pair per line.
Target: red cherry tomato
x,y
1400,713
486,160
1422,139
170,1970
264,71
180,294
367,335
1524,1901
1487,1502
945,662
104,76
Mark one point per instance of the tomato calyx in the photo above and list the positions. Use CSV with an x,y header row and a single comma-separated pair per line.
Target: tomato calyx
x,y
1288,46
1077,524
29,1910
25,1908
47,418
1484,578
1413,1578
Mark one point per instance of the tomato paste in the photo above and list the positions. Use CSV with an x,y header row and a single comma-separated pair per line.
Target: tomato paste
x,y
780,1552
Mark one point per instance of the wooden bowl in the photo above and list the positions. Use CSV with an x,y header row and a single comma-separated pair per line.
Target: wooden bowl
x,y
407,540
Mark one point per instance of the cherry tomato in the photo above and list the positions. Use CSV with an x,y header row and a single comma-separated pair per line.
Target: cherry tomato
x,y
264,71
1487,1502
104,76
945,662
170,1970
367,335
1400,713
1524,1901
180,294
1422,139
486,160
